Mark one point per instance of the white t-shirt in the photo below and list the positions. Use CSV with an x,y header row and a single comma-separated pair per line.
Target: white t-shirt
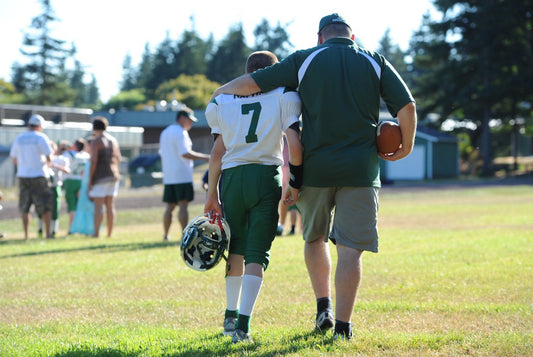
x,y
57,175
252,127
30,149
173,143
77,160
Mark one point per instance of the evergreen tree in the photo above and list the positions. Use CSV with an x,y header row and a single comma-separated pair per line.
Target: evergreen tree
x,y
191,54
393,53
164,66
275,40
145,68
42,79
129,74
230,57
475,62
76,83
17,77
93,94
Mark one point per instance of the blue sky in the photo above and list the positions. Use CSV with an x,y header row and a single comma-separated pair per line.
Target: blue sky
x,y
105,31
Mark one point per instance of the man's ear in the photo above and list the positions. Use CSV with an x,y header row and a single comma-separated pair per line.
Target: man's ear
x,y
320,39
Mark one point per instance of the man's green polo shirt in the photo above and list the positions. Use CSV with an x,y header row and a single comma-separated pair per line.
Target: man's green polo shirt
x,y
340,85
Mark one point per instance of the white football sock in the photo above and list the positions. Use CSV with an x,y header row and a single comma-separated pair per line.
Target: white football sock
x,y
251,285
233,292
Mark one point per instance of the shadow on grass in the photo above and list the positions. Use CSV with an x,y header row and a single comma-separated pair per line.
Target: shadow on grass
x,y
105,247
290,344
90,352
215,345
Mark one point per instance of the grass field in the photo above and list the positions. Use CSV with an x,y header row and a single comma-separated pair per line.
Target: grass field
x,y
454,277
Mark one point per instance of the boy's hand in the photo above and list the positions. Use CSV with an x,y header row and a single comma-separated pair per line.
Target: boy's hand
x,y
291,196
212,206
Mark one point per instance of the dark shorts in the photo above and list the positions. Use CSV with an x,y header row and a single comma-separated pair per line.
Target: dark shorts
x,y
250,197
35,191
178,192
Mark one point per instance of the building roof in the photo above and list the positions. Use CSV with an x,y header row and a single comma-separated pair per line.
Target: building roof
x,y
434,135
148,119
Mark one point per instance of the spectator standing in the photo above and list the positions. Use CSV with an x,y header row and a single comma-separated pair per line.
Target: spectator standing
x,y
77,156
341,85
104,175
177,161
30,152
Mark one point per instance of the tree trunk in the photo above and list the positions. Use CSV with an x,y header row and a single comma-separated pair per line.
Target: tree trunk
x,y
485,143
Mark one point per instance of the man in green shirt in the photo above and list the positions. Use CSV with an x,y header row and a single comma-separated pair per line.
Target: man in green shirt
x,y
340,85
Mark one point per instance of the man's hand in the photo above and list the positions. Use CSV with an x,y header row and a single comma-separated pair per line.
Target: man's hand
x,y
397,155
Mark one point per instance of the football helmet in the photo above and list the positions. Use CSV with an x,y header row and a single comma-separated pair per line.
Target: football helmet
x,y
204,241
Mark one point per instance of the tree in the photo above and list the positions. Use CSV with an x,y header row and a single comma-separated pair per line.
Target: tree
x,y
275,40
193,91
8,94
41,79
164,66
230,57
93,93
191,54
129,74
475,62
76,83
127,100
393,53
145,68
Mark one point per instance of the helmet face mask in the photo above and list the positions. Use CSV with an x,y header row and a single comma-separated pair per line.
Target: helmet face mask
x,y
204,242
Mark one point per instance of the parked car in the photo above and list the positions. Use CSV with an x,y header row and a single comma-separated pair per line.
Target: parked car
x,y
145,170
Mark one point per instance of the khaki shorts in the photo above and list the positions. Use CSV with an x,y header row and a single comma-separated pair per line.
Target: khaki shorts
x,y
347,215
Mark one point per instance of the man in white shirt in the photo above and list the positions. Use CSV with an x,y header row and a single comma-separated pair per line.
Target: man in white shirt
x,y
31,152
177,161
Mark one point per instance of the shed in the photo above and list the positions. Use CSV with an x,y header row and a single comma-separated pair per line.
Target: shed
x,y
435,156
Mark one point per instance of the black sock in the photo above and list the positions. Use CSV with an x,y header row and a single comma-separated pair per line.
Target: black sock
x,y
323,304
344,328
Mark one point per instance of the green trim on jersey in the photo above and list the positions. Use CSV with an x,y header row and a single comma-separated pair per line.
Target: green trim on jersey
x,y
340,109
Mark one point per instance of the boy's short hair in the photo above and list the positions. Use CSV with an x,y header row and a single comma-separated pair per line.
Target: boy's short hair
x,y
79,144
260,59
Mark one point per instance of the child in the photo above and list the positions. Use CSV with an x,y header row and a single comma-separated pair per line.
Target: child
x,y
247,150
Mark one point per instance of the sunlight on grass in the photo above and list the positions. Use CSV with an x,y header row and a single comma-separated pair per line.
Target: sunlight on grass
x,y
453,278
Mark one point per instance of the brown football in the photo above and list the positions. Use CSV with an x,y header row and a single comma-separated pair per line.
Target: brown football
x,y
388,137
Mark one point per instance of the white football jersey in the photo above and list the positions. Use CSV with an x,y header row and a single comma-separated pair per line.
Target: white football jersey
x,y
252,127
